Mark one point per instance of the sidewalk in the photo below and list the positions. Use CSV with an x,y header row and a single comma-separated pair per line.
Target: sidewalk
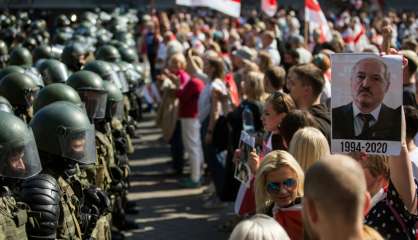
x,y
167,211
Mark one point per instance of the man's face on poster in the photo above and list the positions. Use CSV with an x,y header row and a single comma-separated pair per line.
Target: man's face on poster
x,y
369,84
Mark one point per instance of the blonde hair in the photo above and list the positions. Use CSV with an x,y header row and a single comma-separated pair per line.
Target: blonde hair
x,y
378,165
371,234
179,57
307,146
265,60
272,162
258,227
254,86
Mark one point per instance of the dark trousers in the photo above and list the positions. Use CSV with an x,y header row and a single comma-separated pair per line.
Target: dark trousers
x,y
214,159
176,149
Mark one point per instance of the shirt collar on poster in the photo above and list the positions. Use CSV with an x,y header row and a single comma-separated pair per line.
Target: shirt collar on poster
x,y
374,113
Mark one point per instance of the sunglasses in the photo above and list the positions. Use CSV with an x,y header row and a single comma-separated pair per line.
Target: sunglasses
x,y
275,187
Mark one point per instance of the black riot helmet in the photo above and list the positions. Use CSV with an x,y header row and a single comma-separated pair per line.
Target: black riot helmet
x,y
19,89
129,55
19,157
73,55
108,53
20,56
5,105
63,130
103,69
10,69
56,92
53,71
90,87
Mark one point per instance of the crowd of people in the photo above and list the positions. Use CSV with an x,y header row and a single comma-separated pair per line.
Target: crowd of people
x,y
72,90
216,77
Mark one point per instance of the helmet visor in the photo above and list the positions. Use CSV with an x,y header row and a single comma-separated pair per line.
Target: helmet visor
x,y
115,110
124,82
133,77
95,103
30,95
79,145
112,77
20,159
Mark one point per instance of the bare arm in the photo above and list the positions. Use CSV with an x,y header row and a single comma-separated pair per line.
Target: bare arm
x,y
401,175
215,109
402,179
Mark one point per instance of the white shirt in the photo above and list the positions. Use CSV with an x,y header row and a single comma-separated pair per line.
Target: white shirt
x,y
204,103
274,53
304,55
358,122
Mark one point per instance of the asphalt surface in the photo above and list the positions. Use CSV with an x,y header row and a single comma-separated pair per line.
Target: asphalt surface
x,y
167,211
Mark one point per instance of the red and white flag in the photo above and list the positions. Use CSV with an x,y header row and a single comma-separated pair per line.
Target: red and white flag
x,y
229,7
269,7
316,20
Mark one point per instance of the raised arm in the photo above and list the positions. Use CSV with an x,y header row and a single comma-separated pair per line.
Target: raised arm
x,y
402,177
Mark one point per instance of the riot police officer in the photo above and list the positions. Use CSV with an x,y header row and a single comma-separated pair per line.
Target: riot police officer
x,y
53,71
65,137
74,56
20,90
19,161
92,92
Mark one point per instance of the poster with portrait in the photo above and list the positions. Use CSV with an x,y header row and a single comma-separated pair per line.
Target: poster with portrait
x,y
242,169
366,103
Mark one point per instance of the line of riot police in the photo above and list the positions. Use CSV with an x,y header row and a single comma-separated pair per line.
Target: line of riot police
x,y
69,105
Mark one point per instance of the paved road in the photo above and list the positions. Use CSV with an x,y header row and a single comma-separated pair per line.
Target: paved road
x,y
166,210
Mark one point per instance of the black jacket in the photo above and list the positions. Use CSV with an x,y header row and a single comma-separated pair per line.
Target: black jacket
x,y
387,126
322,116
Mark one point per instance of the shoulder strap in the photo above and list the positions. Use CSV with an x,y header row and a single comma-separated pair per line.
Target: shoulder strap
x,y
397,216
68,194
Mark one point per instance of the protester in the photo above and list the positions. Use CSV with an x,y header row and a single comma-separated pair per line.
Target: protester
x,y
390,182
294,121
305,83
276,107
274,79
279,191
257,227
189,89
307,146
335,198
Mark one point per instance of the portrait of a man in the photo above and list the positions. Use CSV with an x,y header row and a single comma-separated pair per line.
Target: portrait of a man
x,y
367,117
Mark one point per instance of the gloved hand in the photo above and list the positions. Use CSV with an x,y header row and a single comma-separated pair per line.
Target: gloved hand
x,y
121,145
88,221
117,173
96,197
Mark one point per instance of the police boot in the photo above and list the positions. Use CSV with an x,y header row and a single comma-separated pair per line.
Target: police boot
x,y
116,235
130,208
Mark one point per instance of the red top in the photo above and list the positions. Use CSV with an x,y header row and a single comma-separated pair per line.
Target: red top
x,y
232,87
188,95
291,220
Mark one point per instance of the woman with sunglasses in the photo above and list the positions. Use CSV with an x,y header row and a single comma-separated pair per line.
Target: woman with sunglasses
x,y
276,107
279,191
